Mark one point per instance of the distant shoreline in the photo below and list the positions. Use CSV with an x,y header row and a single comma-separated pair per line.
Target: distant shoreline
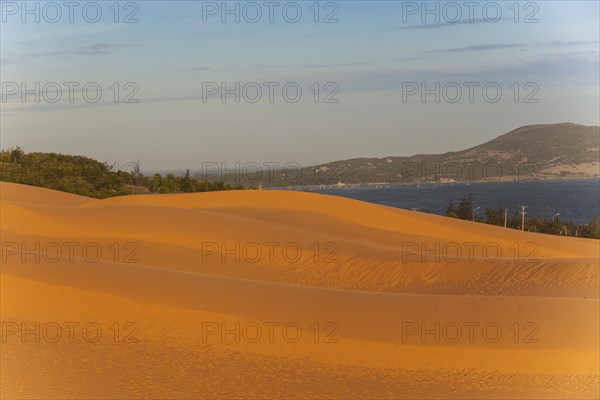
x,y
396,184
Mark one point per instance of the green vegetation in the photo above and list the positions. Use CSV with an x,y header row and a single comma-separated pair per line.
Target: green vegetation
x,y
88,177
183,184
496,216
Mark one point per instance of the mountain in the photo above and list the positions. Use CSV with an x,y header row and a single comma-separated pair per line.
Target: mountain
x,y
555,151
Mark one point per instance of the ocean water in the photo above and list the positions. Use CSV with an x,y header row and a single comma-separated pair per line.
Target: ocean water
x,y
575,200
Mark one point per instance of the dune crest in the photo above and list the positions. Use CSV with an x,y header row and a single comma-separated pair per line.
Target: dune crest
x,y
235,293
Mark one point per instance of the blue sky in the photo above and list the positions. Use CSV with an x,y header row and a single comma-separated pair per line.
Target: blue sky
x,y
370,55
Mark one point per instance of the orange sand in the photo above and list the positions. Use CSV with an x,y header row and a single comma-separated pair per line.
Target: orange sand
x,y
272,294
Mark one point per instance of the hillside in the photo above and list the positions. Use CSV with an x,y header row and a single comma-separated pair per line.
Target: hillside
x,y
555,151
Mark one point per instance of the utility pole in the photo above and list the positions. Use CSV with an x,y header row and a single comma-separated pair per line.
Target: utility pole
x,y
523,217
475,209
505,216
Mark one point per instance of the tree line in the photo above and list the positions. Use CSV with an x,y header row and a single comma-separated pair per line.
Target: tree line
x,y
496,216
88,177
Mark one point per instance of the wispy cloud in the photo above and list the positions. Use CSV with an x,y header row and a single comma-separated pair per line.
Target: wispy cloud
x,y
334,65
501,46
566,44
278,66
269,66
91,49
97,48
439,25
482,47
12,58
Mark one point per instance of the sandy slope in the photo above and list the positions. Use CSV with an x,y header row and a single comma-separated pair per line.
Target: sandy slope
x,y
285,294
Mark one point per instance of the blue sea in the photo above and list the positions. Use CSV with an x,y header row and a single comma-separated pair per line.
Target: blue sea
x,y
575,200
